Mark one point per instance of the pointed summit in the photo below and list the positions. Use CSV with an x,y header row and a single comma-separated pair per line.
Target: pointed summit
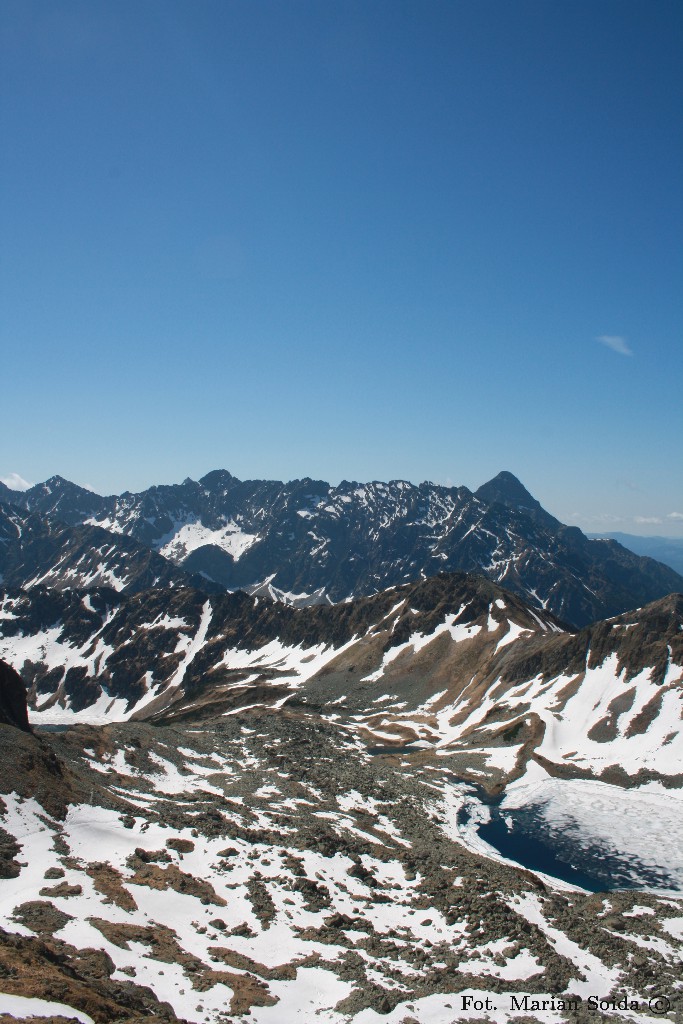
x,y
55,482
66,501
59,485
506,489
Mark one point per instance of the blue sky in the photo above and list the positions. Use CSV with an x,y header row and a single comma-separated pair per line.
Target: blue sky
x,y
426,240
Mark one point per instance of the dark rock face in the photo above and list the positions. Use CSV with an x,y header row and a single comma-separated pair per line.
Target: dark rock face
x,y
7,494
322,543
13,709
668,550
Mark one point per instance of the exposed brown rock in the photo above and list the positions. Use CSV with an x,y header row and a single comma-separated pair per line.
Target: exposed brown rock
x,y
63,889
41,917
57,972
107,880
180,845
172,877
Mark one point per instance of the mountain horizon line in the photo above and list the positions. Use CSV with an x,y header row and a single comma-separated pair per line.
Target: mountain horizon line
x,y
57,479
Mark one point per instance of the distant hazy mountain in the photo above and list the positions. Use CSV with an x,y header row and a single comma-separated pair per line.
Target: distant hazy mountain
x,y
668,550
307,541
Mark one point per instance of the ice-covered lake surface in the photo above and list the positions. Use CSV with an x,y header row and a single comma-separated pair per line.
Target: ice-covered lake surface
x,y
588,833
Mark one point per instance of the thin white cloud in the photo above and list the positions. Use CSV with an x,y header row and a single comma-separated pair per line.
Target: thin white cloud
x,y
630,485
616,343
678,516
647,519
15,482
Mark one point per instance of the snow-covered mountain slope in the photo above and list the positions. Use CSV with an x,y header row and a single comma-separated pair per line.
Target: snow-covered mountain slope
x,y
267,868
40,550
180,651
453,663
102,653
309,541
250,854
606,702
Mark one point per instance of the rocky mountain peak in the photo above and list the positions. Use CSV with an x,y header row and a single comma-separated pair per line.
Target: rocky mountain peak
x,y
58,487
216,479
58,483
505,489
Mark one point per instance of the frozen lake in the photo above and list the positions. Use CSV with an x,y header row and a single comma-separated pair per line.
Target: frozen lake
x,y
589,833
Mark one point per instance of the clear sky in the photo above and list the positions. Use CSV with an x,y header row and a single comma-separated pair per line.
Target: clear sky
x,y
384,239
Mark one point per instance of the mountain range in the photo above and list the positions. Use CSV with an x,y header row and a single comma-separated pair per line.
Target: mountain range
x,y
266,755
307,542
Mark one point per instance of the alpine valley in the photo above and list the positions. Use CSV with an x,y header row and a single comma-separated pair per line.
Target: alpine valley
x,y
369,753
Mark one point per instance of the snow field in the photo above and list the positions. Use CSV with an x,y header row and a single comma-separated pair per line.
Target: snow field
x,y
88,830
93,833
186,535
25,1006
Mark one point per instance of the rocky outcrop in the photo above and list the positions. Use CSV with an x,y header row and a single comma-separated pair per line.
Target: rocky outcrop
x,y
13,710
45,968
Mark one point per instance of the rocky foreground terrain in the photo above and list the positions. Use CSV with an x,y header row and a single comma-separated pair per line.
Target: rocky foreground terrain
x,y
265,866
